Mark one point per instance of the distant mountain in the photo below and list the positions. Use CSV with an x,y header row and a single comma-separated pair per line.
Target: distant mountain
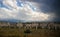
x,y
11,20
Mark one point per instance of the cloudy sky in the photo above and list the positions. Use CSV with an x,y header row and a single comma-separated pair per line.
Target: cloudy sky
x,y
30,10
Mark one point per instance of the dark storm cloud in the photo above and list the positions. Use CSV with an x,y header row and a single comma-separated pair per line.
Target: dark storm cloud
x,y
14,10
50,6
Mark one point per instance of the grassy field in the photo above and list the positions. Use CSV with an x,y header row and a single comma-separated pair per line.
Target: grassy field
x,y
19,32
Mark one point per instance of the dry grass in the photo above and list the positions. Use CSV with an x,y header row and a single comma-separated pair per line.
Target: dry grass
x,y
16,32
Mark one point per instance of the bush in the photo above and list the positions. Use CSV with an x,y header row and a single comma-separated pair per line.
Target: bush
x,y
27,31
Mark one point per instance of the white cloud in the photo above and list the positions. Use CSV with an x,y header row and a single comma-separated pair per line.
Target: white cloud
x,y
22,13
